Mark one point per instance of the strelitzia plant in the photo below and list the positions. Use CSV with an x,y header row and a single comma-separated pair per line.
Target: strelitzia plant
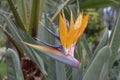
x,y
68,36
24,26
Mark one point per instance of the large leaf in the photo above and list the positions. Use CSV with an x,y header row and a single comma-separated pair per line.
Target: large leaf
x,y
103,41
94,70
36,13
23,11
51,70
104,71
60,71
16,15
118,76
86,46
68,73
14,71
77,74
115,40
98,3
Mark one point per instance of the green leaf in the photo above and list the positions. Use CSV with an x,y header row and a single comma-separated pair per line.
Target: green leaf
x,y
36,13
78,50
68,73
98,3
104,71
86,46
103,41
118,76
77,74
16,15
12,27
60,71
94,70
51,69
14,71
23,11
3,70
17,46
115,40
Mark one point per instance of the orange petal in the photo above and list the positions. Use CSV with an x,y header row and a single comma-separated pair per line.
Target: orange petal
x,y
62,31
82,28
71,31
78,21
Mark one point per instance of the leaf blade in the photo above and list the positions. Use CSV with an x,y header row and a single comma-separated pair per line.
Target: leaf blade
x,y
14,71
94,70
115,40
16,15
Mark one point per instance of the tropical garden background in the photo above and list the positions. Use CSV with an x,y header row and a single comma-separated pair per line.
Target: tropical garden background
x,y
25,20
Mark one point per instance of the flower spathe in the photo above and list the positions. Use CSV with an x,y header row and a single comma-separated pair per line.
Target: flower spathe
x,y
71,35
68,37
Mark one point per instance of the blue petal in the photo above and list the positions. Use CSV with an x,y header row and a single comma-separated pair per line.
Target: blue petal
x,y
57,47
47,44
63,50
53,34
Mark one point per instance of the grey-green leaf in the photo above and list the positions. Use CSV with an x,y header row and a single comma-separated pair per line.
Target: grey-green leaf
x,y
118,76
14,71
51,69
115,40
103,42
94,70
22,10
104,71
16,15
98,3
60,71
77,74
85,43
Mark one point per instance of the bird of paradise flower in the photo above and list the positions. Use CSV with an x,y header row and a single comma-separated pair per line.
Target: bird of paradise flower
x,y
68,37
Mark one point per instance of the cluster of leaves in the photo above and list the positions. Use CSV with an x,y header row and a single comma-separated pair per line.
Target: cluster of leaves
x,y
24,26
